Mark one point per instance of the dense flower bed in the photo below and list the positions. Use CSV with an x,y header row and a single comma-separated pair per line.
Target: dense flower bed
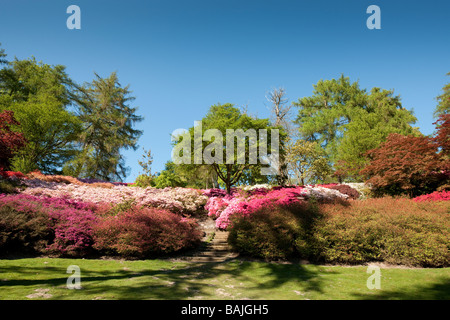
x,y
179,200
67,227
74,217
222,206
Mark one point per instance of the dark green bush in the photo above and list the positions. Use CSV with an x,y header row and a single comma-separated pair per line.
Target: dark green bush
x,y
272,232
8,186
24,232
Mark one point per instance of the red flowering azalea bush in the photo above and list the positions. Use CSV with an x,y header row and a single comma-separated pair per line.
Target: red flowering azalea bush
x,y
10,140
12,175
435,196
145,232
345,189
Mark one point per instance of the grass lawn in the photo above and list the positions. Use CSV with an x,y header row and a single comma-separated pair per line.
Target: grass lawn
x,y
45,278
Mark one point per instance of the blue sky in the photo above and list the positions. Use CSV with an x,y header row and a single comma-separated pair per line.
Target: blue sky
x,y
181,57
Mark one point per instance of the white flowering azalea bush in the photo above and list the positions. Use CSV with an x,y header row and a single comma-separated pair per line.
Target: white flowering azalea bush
x,y
177,200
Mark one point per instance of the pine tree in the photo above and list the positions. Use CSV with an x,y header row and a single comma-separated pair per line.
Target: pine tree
x,y
108,120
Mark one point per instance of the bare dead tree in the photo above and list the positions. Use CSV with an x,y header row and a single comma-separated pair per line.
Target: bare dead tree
x,y
281,112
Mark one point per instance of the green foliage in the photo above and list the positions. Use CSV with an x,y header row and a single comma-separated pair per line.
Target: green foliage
x,y
107,128
146,162
348,121
144,181
9,186
25,232
398,231
168,179
307,161
443,106
39,95
222,117
3,56
273,232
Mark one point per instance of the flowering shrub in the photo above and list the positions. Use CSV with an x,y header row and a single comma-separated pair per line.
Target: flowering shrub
x,y
144,232
179,200
346,189
11,174
271,231
214,192
69,222
222,208
435,196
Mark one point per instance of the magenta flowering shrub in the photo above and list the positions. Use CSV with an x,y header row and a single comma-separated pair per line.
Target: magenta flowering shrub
x,y
223,208
68,223
435,196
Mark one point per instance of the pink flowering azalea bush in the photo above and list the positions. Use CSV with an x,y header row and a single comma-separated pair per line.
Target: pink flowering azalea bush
x,y
51,225
222,208
435,196
72,228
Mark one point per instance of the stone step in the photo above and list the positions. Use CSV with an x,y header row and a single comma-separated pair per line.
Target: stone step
x,y
204,259
212,253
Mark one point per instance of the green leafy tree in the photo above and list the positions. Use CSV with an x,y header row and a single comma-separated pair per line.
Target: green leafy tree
x,y
382,115
443,106
39,96
347,121
221,117
3,56
169,177
146,178
307,162
108,128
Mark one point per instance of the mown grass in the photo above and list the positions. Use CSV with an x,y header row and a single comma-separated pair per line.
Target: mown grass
x,y
46,278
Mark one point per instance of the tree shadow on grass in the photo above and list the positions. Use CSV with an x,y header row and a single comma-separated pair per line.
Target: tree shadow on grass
x,y
183,281
439,290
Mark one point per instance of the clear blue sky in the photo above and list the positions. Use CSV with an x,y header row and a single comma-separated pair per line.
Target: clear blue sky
x,y
181,57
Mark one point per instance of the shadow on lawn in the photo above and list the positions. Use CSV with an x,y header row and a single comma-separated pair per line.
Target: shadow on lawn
x,y
201,281
434,291
205,280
